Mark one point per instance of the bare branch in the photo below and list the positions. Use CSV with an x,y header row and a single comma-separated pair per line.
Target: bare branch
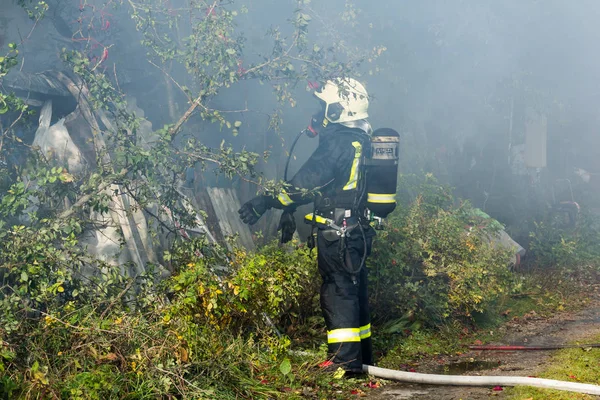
x,y
175,129
285,54
84,199
172,79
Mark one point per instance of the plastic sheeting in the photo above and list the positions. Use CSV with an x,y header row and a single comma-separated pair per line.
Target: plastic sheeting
x,y
55,143
122,237
501,238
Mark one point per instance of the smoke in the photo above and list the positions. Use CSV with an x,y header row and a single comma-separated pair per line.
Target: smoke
x,y
459,79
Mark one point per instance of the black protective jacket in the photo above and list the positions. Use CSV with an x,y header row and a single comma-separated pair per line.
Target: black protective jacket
x,y
333,174
336,170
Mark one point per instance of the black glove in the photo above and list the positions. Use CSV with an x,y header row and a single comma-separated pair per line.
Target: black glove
x,y
252,210
287,226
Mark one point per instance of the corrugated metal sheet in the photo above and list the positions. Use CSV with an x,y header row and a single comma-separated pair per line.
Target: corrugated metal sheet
x,y
226,204
38,83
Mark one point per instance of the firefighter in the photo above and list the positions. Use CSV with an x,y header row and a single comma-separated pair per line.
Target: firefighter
x,y
335,179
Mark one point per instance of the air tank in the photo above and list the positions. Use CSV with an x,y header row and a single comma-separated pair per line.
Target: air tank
x,y
382,172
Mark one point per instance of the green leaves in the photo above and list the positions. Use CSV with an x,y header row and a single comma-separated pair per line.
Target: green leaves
x,y
41,261
9,102
36,11
102,93
430,266
236,126
302,20
285,367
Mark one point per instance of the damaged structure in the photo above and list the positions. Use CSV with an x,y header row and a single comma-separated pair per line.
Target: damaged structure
x,y
69,132
76,140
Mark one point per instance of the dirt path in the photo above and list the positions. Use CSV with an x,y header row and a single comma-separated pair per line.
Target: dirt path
x,y
529,330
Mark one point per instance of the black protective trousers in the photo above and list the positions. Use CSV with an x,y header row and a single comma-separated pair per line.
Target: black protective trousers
x,y
344,299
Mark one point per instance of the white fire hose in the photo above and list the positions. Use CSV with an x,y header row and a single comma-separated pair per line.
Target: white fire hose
x,y
454,380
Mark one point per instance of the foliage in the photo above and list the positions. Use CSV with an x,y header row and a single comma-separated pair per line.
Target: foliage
x,y
196,335
36,259
35,9
74,327
225,321
209,331
569,250
203,40
435,261
12,106
6,63
269,284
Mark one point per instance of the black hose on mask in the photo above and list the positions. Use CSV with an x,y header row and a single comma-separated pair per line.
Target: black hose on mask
x,y
291,153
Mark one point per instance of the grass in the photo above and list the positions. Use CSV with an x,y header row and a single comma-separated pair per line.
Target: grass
x,y
421,344
420,348
453,339
573,365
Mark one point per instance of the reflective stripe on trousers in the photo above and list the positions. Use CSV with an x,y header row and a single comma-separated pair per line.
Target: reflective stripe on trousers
x,y
365,331
345,304
349,334
343,335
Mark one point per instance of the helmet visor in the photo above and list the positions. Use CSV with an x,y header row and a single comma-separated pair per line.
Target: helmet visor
x,y
334,111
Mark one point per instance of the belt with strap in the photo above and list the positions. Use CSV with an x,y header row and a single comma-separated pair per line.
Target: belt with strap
x,y
343,220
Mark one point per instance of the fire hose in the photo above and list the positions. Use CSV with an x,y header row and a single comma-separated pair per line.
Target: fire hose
x,y
455,380
531,348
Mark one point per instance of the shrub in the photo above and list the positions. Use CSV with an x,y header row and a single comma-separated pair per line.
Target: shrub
x,y
434,260
569,250
225,320
265,285
197,335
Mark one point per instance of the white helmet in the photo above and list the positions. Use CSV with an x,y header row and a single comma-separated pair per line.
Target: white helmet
x,y
345,100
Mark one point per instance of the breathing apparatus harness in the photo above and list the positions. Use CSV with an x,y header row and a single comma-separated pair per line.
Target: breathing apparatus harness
x,y
318,122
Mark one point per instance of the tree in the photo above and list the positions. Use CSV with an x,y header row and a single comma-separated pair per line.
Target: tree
x,y
130,185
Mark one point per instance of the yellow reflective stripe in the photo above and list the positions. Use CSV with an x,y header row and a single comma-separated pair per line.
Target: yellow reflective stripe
x,y
317,218
381,198
343,335
365,331
284,199
385,139
353,181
